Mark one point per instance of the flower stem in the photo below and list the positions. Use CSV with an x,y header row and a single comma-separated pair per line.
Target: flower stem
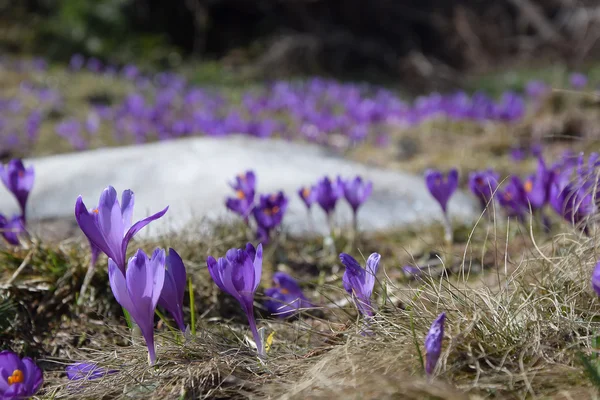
x,y
192,307
255,334
448,232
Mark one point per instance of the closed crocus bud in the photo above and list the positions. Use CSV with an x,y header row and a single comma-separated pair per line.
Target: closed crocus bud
x,y
308,196
433,343
239,274
139,289
359,281
19,180
356,192
441,187
328,193
171,298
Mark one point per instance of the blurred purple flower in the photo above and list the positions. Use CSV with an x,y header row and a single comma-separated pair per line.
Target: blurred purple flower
x,y
85,370
578,80
12,229
19,181
239,274
245,190
356,192
76,62
440,187
514,199
307,194
483,185
94,65
536,88
19,378
537,186
109,227
328,192
596,278
286,297
359,282
139,289
433,343
269,213
171,297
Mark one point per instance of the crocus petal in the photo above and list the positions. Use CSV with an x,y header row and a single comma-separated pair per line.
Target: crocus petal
x,y
258,258
596,279
33,377
118,286
353,268
135,228
110,223
433,343
214,271
371,272
127,201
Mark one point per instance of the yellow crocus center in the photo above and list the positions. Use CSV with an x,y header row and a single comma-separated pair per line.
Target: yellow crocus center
x,y
240,194
16,377
284,291
305,192
95,211
528,186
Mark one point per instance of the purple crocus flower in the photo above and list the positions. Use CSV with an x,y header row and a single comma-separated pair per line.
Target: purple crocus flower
x,y
12,229
308,195
19,378
483,185
139,289
596,279
286,298
171,298
514,198
76,62
440,187
536,89
239,274
537,186
19,181
573,202
359,282
433,343
356,192
269,213
327,193
578,80
245,189
85,370
109,227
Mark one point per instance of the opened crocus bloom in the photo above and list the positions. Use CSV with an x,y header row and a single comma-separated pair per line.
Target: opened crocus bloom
x,y
286,297
19,378
84,370
245,189
238,274
109,227
359,281
483,185
19,180
139,289
269,213
433,343
307,194
514,199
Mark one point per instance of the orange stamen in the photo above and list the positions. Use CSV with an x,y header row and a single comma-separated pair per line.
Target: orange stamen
x,y
16,377
305,192
528,186
284,291
507,196
240,194
95,211
21,174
